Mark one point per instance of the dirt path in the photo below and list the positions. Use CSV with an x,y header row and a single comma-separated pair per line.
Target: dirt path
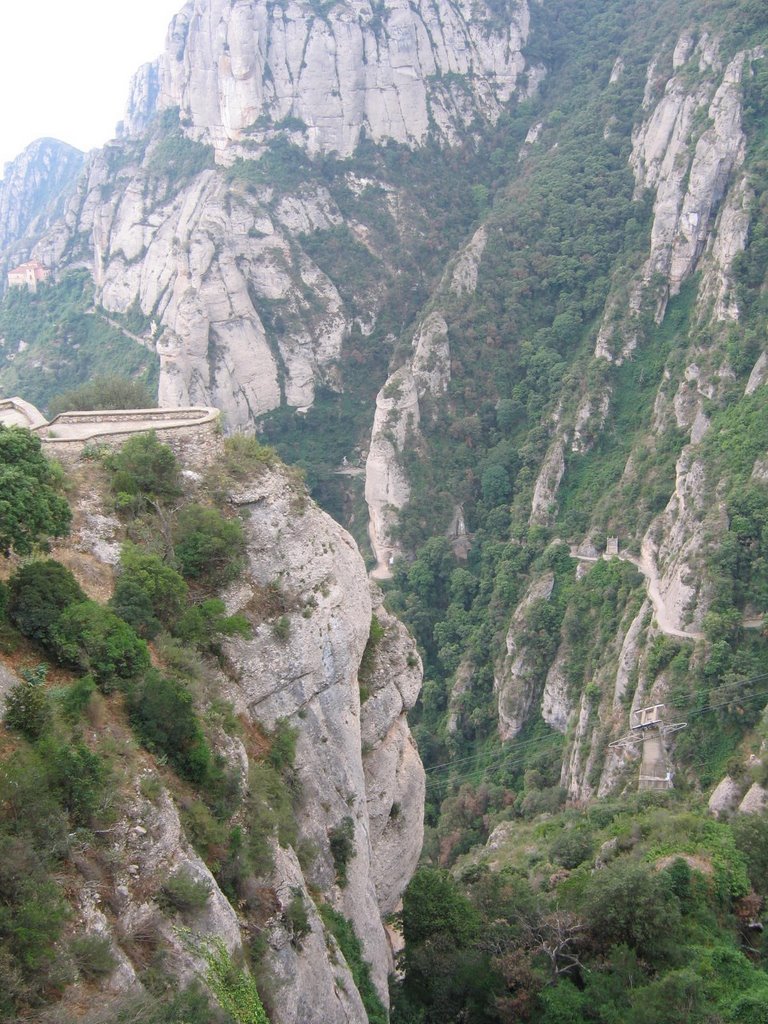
x,y
144,342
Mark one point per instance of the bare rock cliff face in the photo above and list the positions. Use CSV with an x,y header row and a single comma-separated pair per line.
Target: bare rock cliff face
x,y
392,71
422,380
355,761
208,263
244,318
689,151
32,186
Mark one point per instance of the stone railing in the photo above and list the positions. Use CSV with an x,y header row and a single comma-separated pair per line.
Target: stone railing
x,y
18,413
116,418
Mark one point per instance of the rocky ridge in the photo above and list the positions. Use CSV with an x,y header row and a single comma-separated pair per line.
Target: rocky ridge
x,y
333,72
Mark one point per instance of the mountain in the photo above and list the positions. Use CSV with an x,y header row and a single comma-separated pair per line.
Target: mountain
x,y
33,186
494,275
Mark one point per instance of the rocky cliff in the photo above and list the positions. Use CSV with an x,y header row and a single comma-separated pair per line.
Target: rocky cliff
x,y
356,772
248,316
559,305
33,187
333,72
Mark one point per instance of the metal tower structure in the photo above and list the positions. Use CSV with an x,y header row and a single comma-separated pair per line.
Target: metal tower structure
x,y
647,726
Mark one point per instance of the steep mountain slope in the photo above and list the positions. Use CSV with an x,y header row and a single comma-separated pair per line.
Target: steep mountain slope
x,y
296,816
33,188
576,376
210,219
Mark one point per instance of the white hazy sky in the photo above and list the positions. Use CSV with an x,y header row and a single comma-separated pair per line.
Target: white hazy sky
x,y
65,66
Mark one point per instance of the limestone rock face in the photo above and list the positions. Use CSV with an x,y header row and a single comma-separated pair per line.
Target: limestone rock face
x,y
548,482
414,387
555,705
355,764
240,317
386,485
236,70
32,186
755,800
689,151
679,604
514,675
726,796
315,979
393,774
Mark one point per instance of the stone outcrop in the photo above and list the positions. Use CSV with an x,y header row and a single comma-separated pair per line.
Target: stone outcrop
x,y
421,382
726,796
244,319
309,677
386,485
391,71
688,151
755,800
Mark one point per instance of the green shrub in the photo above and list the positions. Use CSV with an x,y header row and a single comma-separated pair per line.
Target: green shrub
x,y
572,847
38,594
234,989
244,456
163,714
297,918
76,698
29,808
750,833
183,892
628,903
208,546
134,605
111,392
203,624
269,813
28,708
341,840
32,914
281,629
144,470
192,1006
148,591
93,956
76,776
92,638
282,749
30,508
207,835
368,660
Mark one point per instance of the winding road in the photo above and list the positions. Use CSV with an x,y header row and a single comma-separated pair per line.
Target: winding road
x,y
646,564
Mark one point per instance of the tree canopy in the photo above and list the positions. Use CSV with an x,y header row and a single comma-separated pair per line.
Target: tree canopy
x,y
31,509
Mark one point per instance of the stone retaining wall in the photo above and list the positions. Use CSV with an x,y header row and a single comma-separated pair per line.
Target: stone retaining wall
x,y
196,444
